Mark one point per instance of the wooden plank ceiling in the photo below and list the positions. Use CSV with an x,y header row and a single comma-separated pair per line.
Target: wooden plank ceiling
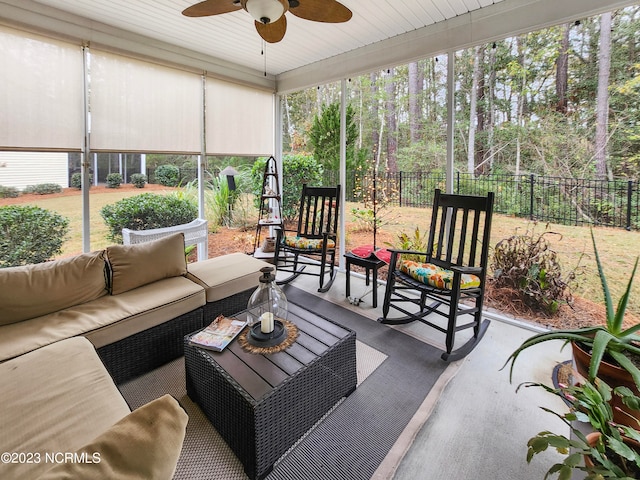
x,y
232,36
381,33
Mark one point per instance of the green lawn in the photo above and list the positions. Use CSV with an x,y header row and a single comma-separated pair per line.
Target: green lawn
x,y
71,207
618,248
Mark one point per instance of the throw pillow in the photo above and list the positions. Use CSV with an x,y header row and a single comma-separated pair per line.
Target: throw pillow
x,y
136,265
144,444
57,285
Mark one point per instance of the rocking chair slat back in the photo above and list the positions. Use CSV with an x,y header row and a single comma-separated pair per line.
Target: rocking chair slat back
x,y
457,220
318,222
458,243
319,211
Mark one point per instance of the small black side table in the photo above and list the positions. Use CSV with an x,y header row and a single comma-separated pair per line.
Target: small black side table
x,y
370,263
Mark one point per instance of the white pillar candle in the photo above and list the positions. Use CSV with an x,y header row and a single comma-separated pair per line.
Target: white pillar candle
x,y
266,322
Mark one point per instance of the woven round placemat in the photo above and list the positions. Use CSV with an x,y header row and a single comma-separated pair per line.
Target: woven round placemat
x,y
292,334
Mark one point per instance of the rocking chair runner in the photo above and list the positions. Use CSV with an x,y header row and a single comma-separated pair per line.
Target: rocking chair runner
x,y
315,240
451,272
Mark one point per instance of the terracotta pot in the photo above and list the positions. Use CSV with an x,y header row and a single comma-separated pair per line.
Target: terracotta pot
x,y
592,439
613,376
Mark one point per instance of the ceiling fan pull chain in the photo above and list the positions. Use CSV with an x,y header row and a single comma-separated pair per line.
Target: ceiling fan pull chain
x,y
264,53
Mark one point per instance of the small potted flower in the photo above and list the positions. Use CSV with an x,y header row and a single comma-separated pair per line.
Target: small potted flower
x,y
611,451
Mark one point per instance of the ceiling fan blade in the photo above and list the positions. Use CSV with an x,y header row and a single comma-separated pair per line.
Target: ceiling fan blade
x,y
211,7
272,32
329,11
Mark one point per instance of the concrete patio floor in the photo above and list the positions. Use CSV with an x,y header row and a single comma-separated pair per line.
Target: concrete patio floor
x,y
473,424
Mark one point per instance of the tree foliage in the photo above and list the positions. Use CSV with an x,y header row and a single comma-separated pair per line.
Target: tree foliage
x,y
535,107
324,137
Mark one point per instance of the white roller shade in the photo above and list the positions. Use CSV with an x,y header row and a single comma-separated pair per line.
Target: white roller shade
x,y
141,106
239,119
41,94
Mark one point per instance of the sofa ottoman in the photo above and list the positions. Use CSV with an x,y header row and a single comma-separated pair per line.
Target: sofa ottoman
x,y
228,281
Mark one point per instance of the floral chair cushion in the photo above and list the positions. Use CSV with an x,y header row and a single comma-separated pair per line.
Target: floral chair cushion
x,y
304,243
435,276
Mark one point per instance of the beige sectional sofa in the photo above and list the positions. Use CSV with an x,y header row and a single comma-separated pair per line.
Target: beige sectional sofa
x,y
72,329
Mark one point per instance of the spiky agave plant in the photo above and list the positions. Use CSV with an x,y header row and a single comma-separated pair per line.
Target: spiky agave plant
x,y
610,339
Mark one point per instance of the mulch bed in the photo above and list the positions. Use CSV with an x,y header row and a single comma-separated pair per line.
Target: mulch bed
x,y
581,313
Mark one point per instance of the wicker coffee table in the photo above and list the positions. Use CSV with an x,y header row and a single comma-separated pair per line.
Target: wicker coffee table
x,y
262,404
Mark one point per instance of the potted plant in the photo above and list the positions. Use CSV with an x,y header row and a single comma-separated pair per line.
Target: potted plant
x,y
611,451
610,343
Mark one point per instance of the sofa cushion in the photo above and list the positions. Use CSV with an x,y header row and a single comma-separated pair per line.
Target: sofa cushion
x,y
55,399
106,319
132,266
144,444
31,291
226,275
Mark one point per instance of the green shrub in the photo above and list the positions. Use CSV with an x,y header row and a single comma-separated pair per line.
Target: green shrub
x,y
527,264
139,180
30,234
43,188
76,180
9,192
147,211
114,180
168,175
219,200
418,243
297,169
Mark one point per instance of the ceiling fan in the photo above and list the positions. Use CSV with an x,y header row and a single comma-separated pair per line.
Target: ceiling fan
x,y
270,21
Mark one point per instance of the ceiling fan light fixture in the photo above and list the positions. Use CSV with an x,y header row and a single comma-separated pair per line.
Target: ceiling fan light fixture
x,y
265,11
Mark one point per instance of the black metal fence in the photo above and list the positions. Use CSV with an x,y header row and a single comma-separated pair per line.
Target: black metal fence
x,y
566,201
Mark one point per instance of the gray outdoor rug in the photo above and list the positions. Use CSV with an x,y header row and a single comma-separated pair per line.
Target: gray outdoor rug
x,y
395,374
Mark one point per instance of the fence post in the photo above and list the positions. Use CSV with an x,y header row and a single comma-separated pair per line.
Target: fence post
x,y
531,182
629,198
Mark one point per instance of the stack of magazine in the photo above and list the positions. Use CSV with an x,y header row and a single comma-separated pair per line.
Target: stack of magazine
x,y
219,334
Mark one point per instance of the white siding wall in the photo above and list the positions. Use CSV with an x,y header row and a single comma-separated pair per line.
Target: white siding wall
x,y
20,169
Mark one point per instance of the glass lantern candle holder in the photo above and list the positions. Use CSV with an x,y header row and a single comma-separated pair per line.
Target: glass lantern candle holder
x,y
266,309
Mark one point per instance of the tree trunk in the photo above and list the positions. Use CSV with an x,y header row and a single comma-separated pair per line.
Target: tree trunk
x,y
480,166
491,105
414,105
602,97
562,71
392,141
473,100
375,136
521,101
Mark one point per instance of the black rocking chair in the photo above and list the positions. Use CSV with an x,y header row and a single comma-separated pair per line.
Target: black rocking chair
x,y
314,242
452,271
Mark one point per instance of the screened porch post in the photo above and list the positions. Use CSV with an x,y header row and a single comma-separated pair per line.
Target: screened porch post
x,y
202,158
451,58
86,155
277,141
343,170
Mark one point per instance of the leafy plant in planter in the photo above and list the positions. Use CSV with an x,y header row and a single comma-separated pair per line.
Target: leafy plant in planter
x,y
610,340
610,452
